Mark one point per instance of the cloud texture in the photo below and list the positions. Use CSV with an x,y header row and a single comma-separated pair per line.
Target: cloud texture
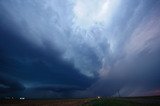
x,y
85,47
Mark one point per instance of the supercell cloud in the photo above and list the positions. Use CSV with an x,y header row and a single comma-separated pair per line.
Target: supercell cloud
x,y
79,48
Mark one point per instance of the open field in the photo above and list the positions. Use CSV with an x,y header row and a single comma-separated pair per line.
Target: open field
x,y
139,101
60,102
132,101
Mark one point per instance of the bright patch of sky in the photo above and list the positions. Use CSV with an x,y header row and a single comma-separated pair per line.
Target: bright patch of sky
x,y
89,14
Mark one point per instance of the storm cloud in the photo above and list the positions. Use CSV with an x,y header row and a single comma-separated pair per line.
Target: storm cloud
x,y
80,48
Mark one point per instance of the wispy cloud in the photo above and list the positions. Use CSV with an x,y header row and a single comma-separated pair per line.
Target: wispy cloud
x,y
101,45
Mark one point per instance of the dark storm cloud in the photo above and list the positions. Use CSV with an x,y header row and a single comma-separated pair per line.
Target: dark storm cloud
x,y
58,88
8,84
33,65
30,63
56,46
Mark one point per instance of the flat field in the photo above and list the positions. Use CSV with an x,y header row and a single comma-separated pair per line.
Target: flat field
x,y
130,101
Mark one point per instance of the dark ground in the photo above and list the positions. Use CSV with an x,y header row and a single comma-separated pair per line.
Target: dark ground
x,y
130,101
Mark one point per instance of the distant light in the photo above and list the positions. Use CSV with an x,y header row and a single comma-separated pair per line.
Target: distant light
x,y
98,97
22,98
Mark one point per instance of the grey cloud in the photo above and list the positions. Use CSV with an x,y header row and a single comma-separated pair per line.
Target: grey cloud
x,y
119,55
30,18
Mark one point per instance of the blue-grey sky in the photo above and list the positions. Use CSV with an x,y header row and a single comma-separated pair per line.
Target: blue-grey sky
x,y
79,48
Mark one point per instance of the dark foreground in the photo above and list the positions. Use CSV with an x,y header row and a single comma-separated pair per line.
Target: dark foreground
x,y
136,101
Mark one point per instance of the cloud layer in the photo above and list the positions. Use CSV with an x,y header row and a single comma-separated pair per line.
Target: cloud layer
x,y
87,48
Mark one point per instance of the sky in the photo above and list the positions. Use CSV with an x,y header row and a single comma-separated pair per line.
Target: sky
x,y
79,48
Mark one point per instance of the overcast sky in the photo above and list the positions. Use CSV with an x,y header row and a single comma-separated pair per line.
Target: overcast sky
x,y
79,48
